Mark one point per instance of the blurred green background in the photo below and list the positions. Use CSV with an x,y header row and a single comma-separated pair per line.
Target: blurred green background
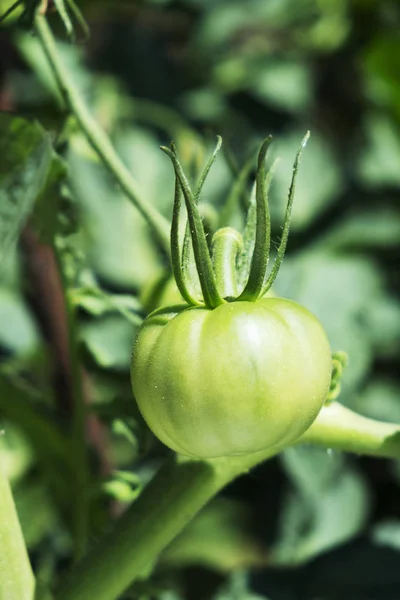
x,y
311,524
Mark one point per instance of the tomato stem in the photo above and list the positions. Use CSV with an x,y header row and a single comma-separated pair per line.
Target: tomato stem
x,y
212,297
286,225
227,243
259,261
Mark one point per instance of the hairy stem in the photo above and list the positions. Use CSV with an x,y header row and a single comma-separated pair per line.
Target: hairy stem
x,y
183,486
341,428
96,136
179,490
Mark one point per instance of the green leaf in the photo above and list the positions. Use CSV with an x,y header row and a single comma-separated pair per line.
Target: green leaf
x,y
328,506
98,303
378,163
383,318
387,533
18,331
377,227
319,183
38,523
285,85
119,246
237,588
123,486
10,10
15,452
109,341
49,444
29,165
380,400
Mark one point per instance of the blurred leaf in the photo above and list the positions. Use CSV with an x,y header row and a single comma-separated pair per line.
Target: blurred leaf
x,y
381,65
383,319
378,163
377,227
319,182
29,164
17,406
237,588
219,537
150,167
33,54
380,400
387,533
39,523
119,245
16,454
222,20
109,341
328,506
8,5
123,486
18,332
206,104
330,30
285,85
97,303
64,8
127,429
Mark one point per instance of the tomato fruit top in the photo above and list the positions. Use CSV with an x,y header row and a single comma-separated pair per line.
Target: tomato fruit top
x,y
233,380
231,372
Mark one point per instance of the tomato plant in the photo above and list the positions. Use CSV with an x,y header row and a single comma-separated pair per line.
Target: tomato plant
x,y
232,372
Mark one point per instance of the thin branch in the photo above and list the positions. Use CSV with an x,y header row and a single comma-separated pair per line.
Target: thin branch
x,y
58,324
341,428
96,136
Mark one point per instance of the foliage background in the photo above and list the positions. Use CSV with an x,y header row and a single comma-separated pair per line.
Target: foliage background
x,y
311,524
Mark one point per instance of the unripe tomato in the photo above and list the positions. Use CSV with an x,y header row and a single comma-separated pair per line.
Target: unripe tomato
x,y
236,379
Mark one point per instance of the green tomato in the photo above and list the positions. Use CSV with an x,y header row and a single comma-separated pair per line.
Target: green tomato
x,y
237,379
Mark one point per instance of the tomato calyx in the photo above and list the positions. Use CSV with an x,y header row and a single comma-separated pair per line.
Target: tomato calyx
x,y
218,274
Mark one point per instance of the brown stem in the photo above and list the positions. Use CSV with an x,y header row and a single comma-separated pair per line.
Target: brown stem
x,y
48,300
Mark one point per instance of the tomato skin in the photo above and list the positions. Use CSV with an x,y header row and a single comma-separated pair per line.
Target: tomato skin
x,y
237,379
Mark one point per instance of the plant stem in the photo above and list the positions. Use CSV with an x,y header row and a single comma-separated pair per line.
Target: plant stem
x,y
79,425
96,136
179,490
183,486
226,244
341,428
39,430
16,578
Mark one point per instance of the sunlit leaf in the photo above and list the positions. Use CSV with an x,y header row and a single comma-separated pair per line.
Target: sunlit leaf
x,y
109,341
327,507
